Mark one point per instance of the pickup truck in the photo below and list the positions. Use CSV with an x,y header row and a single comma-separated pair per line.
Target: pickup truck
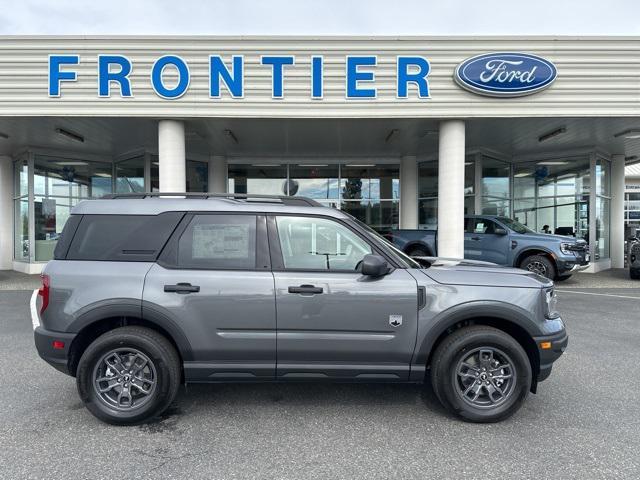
x,y
504,241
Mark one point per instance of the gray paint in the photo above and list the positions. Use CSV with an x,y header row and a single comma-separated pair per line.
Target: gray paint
x,y
245,325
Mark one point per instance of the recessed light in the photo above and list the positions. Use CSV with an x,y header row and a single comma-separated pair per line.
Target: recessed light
x,y
553,133
360,165
69,134
552,162
313,165
631,133
69,163
523,174
103,175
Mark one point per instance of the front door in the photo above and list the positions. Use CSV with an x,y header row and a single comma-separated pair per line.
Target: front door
x,y
482,243
214,283
333,322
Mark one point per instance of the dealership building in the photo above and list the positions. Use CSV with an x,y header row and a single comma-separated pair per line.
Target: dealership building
x,y
401,132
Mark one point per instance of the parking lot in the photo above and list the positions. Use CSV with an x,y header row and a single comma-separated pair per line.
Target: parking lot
x,y
583,423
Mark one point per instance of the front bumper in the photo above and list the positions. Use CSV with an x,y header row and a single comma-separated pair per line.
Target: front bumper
x,y
548,356
568,265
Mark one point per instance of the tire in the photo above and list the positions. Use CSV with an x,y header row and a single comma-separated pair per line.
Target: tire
x,y
470,342
418,252
159,376
563,278
634,274
539,264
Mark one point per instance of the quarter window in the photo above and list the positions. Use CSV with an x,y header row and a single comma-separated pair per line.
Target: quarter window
x,y
309,243
219,242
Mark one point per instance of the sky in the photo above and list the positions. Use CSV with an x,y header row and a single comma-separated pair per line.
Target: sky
x,y
320,17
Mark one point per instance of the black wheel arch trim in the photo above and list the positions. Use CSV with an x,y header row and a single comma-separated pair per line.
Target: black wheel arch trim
x,y
129,307
438,325
530,251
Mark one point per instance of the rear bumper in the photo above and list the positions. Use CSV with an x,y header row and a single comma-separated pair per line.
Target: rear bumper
x,y
56,357
548,356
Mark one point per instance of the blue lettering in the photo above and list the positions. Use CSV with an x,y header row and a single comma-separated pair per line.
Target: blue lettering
x,y
316,77
233,81
354,76
277,67
183,76
56,75
106,76
418,76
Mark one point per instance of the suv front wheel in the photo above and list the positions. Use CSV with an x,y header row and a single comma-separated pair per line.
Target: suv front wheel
x,y
481,374
128,375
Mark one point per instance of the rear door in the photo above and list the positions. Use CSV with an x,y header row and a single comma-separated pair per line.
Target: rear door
x,y
482,243
213,282
333,322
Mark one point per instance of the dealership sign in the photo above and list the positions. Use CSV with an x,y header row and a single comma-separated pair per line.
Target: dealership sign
x,y
227,76
505,74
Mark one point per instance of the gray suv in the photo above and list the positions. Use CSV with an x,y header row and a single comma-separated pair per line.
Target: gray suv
x,y
149,292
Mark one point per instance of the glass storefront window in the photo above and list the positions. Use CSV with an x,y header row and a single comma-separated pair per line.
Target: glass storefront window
x,y
21,176
495,178
381,215
197,176
320,182
602,228
54,176
21,229
258,179
602,177
370,182
130,175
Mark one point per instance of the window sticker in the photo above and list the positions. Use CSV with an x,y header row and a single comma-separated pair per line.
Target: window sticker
x,y
220,241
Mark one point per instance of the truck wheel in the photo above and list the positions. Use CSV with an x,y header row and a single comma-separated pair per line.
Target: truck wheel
x,y
128,375
563,278
481,374
634,274
417,252
540,265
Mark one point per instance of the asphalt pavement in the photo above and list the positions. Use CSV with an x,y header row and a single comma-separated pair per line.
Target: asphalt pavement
x,y
582,424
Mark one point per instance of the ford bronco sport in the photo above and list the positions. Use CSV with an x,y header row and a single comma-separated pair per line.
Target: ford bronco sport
x,y
146,292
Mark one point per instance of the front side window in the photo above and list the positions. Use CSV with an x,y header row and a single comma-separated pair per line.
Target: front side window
x,y
481,225
309,243
219,242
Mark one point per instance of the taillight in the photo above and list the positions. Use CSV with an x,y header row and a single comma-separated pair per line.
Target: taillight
x,y
44,292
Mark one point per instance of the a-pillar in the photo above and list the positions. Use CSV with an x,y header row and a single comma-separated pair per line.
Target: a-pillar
x,y
171,153
451,156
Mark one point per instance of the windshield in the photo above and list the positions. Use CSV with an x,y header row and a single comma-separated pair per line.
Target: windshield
x,y
384,243
514,225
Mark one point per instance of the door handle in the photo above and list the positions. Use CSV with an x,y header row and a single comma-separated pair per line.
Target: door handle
x,y
182,288
308,289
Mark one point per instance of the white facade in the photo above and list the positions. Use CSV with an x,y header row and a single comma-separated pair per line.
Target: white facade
x,y
585,114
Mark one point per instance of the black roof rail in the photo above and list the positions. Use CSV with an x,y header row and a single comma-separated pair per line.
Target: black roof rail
x,y
247,197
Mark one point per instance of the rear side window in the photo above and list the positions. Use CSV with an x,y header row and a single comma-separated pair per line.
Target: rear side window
x,y
125,238
69,230
219,242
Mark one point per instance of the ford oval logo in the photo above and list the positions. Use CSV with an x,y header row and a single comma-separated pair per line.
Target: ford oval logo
x,y
505,74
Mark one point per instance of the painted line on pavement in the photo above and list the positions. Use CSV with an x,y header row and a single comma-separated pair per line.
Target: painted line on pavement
x,y
599,294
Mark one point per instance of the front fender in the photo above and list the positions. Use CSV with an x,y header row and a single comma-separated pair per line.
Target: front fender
x,y
430,329
524,251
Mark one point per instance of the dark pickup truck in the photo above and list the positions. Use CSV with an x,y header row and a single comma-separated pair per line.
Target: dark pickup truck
x,y
504,241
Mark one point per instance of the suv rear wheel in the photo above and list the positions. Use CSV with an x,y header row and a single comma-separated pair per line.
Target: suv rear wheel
x,y
481,374
128,375
539,264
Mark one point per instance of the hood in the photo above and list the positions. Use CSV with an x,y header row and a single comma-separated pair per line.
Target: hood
x,y
468,272
546,237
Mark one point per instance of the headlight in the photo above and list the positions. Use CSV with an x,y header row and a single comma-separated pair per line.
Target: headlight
x,y
566,248
551,301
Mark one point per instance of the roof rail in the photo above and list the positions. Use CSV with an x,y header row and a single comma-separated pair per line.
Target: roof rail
x,y
247,197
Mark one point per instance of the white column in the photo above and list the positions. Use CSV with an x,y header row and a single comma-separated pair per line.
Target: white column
x,y
171,153
408,192
617,211
451,189
217,174
6,213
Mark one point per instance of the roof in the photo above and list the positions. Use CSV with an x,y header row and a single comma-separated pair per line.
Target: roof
x,y
154,205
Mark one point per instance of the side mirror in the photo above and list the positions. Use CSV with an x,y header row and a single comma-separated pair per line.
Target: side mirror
x,y
499,231
374,266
